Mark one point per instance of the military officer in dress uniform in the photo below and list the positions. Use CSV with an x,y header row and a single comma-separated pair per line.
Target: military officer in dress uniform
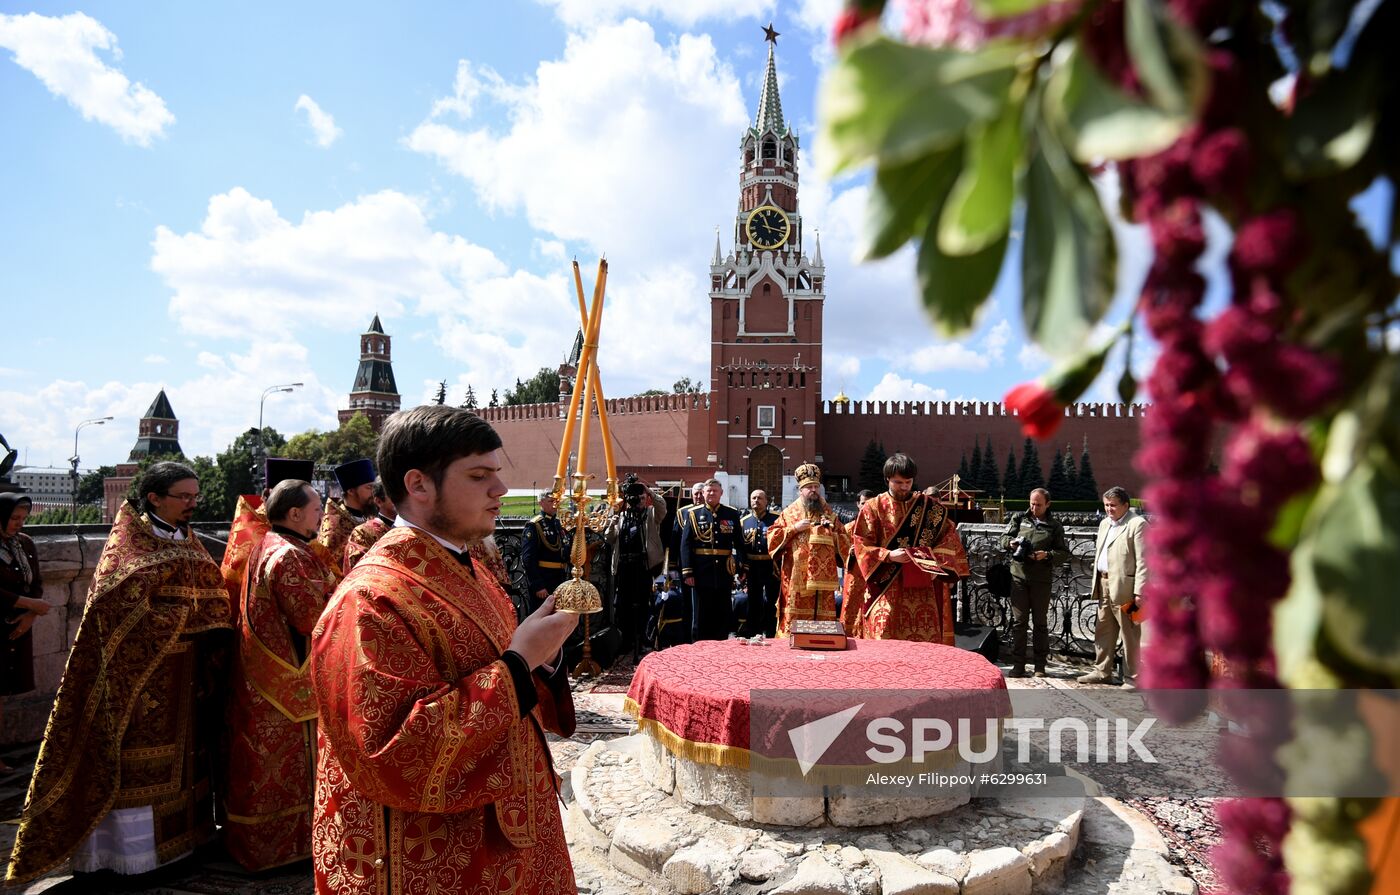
x,y
544,551
759,614
712,551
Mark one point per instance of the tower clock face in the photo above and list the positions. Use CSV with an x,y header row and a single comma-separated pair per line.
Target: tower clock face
x,y
768,227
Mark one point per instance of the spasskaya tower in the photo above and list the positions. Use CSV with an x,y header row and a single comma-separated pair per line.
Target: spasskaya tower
x,y
766,317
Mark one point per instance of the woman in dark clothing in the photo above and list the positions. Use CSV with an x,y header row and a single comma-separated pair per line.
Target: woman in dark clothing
x,y
20,599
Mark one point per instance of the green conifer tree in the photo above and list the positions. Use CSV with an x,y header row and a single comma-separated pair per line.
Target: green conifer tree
x,y
974,467
1031,476
872,467
1088,487
1058,483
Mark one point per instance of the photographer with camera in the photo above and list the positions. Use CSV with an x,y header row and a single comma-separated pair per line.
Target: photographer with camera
x,y
635,532
1036,542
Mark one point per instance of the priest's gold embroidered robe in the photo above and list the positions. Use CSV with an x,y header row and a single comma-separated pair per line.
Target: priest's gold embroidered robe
x,y
853,590
429,780
915,605
808,563
363,538
136,715
272,714
249,525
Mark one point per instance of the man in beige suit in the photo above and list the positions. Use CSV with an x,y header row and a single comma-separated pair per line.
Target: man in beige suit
x,y
1120,574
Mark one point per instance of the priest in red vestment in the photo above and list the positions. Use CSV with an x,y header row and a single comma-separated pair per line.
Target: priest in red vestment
x,y
808,544
122,781
908,552
344,514
371,530
272,714
250,522
434,773
853,586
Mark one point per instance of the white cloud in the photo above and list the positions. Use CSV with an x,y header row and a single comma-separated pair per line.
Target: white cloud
x,y
949,356
247,267
996,340
321,122
62,53
844,366
894,387
582,13
551,249
1032,357
606,144
155,359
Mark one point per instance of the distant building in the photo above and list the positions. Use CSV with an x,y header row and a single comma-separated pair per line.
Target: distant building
x,y
158,434
46,486
375,394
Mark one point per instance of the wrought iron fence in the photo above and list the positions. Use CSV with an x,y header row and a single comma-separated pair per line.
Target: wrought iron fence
x,y
1072,616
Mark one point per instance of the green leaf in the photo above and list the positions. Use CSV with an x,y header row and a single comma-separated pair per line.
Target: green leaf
x,y
1298,617
1000,9
1354,546
1127,387
897,102
1333,125
1100,121
978,212
902,198
1169,60
1069,258
954,287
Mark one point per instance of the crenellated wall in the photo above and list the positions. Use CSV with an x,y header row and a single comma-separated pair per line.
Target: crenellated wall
x,y
937,433
657,436
666,437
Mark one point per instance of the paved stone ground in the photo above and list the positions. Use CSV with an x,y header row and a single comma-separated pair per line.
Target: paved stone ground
x,y
1121,841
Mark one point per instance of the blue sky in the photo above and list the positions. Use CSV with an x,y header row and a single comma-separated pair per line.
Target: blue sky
x,y
215,198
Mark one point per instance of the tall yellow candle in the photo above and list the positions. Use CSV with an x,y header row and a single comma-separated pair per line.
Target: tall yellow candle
x,y
589,370
580,380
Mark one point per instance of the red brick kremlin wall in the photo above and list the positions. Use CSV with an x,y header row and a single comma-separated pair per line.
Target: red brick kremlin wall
x,y
660,437
665,437
937,433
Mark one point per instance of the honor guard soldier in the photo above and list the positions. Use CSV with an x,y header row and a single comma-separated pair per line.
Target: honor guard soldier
x,y
759,614
712,551
544,551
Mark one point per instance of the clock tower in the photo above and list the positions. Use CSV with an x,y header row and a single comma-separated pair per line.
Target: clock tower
x,y
766,298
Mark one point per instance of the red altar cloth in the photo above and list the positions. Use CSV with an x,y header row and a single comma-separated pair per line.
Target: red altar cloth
x,y
696,698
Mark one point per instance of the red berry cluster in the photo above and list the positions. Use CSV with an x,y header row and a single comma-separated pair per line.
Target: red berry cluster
x,y
1216,574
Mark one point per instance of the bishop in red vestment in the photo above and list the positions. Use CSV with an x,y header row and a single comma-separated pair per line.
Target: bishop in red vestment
x,y
910,556
434,774
272,714
808,543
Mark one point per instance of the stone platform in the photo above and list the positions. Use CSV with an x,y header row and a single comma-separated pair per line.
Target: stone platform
x,y
1014,847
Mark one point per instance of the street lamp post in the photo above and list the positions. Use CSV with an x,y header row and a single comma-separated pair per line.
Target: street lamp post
x,y
73,472
258,468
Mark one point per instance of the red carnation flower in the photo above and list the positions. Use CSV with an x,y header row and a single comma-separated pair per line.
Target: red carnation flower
x,y
850,21
1036,405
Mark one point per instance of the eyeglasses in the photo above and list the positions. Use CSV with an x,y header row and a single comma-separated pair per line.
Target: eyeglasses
x,y
185,498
